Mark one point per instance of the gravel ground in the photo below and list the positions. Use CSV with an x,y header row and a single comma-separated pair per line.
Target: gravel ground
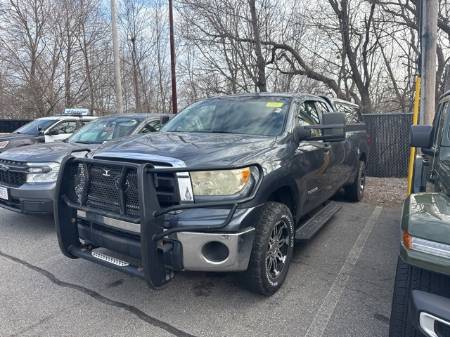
x,y
387,192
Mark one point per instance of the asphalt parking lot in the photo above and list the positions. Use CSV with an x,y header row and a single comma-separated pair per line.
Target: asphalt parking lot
x,y
340,284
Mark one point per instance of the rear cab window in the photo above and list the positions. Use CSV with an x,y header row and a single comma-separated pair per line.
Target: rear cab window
x,y
352,115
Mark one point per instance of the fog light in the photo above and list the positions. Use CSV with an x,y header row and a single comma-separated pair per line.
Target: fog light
x,y
215,251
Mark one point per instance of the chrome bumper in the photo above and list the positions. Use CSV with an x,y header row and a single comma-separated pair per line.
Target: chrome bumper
x,y
239,249
239,244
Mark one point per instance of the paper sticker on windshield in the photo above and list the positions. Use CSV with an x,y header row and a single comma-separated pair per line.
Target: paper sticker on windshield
x,y
274,104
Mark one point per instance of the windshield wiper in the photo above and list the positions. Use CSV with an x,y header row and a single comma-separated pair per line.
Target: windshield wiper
x,y
82,142
219,131
203,131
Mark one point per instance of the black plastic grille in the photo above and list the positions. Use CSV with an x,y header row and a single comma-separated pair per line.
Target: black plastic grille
x,y
10,173
166,189
108,187
131,194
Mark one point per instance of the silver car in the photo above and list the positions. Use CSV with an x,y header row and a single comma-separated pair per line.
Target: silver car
x,y
28,174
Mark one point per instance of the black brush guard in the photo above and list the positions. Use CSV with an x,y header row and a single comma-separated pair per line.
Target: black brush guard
x,y
153,265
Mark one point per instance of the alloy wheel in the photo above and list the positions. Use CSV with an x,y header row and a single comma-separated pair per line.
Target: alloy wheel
x,y
277,250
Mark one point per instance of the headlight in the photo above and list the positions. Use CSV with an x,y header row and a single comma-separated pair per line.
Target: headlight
x,y
231,183
42,172
4,144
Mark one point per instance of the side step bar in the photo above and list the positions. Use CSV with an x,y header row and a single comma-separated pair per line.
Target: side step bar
x,y
317,221
107,261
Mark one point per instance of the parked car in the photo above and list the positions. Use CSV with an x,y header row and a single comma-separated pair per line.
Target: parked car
x,y
28,174
226,186
421,300
43,130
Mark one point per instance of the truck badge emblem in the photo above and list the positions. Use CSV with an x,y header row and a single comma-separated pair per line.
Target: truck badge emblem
x,y
106,173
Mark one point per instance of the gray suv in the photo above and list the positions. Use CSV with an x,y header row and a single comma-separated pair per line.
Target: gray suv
x,y
28,174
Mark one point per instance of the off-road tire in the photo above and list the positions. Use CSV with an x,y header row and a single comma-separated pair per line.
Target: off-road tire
x,y
410,278
256,278
355,191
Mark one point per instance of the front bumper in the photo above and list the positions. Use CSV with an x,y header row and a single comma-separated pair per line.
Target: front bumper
x,y
430,313
207,236
238,245
124,238
30,198
425,261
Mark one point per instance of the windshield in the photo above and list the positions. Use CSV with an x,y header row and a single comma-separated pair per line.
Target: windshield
x,y
105,129
263,116
33,127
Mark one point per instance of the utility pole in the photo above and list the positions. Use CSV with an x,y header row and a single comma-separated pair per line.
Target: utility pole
x,y
115,40
430,10
172,60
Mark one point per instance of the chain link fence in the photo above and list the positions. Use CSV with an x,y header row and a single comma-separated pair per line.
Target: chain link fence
x,y
389,144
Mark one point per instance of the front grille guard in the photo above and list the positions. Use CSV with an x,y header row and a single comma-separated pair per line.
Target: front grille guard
x,y
151,221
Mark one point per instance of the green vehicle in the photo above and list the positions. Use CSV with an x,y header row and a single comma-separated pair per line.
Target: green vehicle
x,y
421,300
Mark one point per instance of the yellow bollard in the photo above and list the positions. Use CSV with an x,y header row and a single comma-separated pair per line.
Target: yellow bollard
x,y
412,153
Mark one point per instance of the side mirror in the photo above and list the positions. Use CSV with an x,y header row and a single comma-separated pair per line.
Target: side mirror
x,y
333,126
302,133
40,131
421,136
332,129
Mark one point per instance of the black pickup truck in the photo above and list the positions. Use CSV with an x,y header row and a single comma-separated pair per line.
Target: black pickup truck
x,y
228,185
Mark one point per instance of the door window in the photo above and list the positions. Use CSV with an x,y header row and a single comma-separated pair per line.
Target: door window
x,y
307,115
151,126
65,127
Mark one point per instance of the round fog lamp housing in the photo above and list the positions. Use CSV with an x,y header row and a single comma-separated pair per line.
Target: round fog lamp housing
x,y
215,251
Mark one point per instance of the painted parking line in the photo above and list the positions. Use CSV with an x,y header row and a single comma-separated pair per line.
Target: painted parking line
x,y
328,306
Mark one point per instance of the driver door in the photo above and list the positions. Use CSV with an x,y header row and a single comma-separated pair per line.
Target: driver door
x,y
311,159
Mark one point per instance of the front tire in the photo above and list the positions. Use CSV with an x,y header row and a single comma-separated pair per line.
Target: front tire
x,y
272,250
409,278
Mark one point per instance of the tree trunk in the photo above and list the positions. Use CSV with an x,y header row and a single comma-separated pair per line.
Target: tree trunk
x,y
137,96
67,74
260,62
88,71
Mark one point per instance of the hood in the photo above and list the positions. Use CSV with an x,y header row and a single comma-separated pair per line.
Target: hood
x,y
45,152
12,136
17,139
194,149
